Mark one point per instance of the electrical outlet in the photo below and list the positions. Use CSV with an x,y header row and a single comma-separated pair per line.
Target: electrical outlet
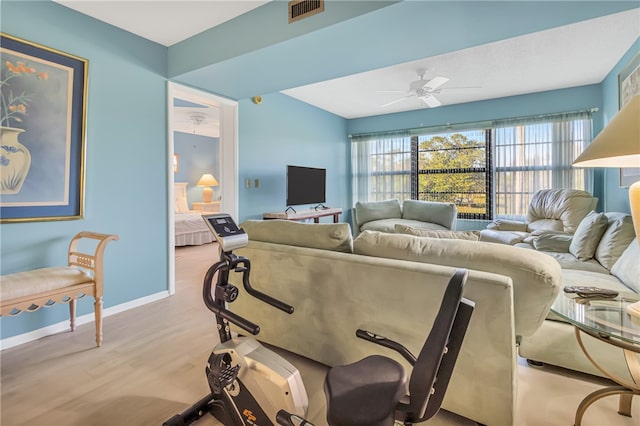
x,y
256,183
247,183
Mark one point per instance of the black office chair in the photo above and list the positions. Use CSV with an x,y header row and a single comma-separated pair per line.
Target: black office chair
x,y
373,391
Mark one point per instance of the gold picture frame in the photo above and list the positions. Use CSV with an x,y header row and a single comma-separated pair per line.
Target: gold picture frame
x,y
42,119
629,86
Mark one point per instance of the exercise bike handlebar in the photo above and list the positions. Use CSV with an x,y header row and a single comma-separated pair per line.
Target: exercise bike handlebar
x,y
258,294
218,308
233,262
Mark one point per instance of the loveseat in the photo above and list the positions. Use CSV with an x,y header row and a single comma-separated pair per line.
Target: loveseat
x,y
384,215
392,284
602,253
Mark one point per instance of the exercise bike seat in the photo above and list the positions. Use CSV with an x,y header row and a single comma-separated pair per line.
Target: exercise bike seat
x,y
365,392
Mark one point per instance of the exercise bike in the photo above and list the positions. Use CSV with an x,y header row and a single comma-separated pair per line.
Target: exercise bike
x,y
252,385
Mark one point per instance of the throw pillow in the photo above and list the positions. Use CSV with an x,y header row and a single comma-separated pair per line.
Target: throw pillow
x,y
615,239
587,236
325,236
444,214
627,268
376,210
459,235
554,242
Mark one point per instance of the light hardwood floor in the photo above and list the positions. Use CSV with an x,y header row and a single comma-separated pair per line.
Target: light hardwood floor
x,y
151,366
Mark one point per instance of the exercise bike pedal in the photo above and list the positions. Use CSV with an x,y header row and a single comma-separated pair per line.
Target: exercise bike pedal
x,y
220,378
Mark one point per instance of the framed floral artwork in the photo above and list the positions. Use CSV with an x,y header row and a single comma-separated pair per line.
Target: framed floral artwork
x,y
628,86
42,125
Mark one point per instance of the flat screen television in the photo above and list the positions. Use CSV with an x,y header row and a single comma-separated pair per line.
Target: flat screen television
x,y
305,185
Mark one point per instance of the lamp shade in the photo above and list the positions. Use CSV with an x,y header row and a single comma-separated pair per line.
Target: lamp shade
x,y
207,179
618,144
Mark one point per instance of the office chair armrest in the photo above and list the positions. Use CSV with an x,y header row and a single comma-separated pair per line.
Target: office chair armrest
x,y
388,343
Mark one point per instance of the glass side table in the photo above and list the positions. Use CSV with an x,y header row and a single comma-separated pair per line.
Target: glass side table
x,y
608,321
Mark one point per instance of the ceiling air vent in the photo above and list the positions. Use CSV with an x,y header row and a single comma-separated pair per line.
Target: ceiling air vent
x,y
300,9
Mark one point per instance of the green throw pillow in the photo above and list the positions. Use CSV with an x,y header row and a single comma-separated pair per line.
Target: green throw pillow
x,y
588,234
627,268
615,239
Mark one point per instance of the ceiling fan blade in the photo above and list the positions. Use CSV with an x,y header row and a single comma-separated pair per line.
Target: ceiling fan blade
x,y
461,88
391,91
435,82
396,101
431,101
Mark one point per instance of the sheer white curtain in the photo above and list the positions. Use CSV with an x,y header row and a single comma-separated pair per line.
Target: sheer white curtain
x,y
536,153
378,163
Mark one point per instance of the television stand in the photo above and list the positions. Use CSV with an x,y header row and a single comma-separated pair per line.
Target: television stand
x,y
305,214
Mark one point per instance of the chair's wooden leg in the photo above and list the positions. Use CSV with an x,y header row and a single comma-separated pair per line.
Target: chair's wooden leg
x,y
72,314
98,314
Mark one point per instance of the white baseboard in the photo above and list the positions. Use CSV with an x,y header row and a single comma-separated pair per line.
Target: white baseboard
x,y
10,342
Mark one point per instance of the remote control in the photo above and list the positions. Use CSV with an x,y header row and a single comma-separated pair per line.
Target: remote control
x,y
585,291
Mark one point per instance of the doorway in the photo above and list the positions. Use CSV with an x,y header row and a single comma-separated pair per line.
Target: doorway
x,y
227,116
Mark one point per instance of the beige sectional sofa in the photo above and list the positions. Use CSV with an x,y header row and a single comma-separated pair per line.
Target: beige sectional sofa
x,y
603,252
392,284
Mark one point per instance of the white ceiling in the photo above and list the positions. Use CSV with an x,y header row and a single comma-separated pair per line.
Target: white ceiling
x,y
164,21
568,56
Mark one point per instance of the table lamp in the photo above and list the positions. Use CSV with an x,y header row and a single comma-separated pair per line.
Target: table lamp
x,y
207,181
618,145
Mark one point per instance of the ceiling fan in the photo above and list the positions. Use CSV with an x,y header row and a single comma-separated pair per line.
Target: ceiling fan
x,y
421,89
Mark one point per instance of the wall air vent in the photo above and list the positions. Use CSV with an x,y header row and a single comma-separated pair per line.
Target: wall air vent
x,y
300,9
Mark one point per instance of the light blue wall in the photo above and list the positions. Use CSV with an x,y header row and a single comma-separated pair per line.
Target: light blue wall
x,y
126,161
616,198
197,155
283,131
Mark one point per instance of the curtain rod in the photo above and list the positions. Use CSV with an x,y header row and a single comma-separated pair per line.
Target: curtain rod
x,y
468,124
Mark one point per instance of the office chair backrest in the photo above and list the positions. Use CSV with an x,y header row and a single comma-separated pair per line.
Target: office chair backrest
x,y
439,353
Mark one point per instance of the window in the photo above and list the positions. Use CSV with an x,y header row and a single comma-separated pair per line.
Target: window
x,y
452,167
533,155
488,172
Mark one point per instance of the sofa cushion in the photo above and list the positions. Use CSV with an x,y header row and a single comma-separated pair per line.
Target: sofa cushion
x,y
376,210
459,235
588,234
389,225
615,240
507,225
502,237
569,261
326,236
444,214
627,267
532,272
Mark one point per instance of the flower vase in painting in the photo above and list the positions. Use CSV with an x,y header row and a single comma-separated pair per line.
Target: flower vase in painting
x,y
15,158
